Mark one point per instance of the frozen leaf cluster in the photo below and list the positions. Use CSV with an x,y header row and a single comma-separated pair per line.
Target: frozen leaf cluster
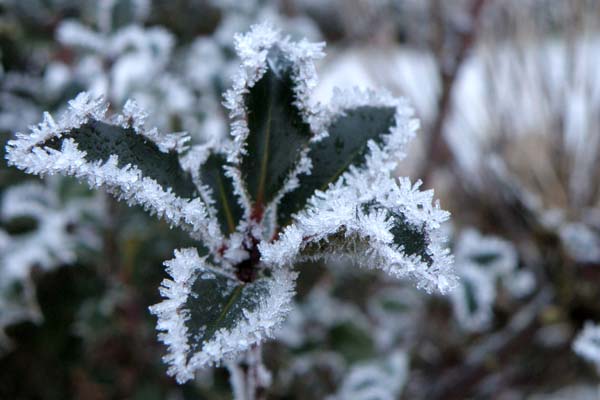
x,y
38,231
482,262
295,182
382,379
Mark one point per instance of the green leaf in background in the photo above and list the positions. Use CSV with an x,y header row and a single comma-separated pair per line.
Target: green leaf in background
x,y
212,174
278,133
346,145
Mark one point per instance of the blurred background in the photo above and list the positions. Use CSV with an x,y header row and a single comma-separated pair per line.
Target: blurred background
x,y
508,94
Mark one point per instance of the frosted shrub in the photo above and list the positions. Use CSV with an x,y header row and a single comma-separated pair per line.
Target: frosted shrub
x,y
295,182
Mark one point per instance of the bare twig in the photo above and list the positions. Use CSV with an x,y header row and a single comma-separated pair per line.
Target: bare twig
x,y
436,149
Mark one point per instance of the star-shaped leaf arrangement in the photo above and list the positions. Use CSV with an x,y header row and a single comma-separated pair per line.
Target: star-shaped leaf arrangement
x,y
296,181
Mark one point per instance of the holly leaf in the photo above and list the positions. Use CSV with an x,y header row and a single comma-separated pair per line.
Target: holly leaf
x,y
120,154
212,174
277,131
208,316
346,145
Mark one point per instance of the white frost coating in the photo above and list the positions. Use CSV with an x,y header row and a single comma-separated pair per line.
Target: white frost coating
x,y
587,343
581,242
73,33
365,236
126,183
497,256
50,244
171,319
133,116
225,345
379,379
253,48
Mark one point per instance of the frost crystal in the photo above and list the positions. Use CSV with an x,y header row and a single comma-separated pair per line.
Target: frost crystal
x,y
253,49
359,223
252,327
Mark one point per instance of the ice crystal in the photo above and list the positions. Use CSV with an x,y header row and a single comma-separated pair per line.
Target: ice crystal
x,y
358,223
126,182
173,315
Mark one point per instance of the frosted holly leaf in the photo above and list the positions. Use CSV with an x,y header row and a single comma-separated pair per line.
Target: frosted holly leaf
x,y
209,316
271,118
36,230
120,154
277,132
356,123
373,223
210,168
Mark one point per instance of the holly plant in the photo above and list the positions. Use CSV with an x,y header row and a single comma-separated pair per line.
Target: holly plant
x,y
295,183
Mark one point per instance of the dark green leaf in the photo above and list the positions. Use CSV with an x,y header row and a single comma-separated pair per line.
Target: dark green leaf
x,y
20,225
346,145
220,304
470,297
228,209
413,238
277,131
100,140
485,259
351,341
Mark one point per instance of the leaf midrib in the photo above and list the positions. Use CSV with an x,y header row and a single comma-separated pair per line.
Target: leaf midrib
x,y
226,209
265,156
236,293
